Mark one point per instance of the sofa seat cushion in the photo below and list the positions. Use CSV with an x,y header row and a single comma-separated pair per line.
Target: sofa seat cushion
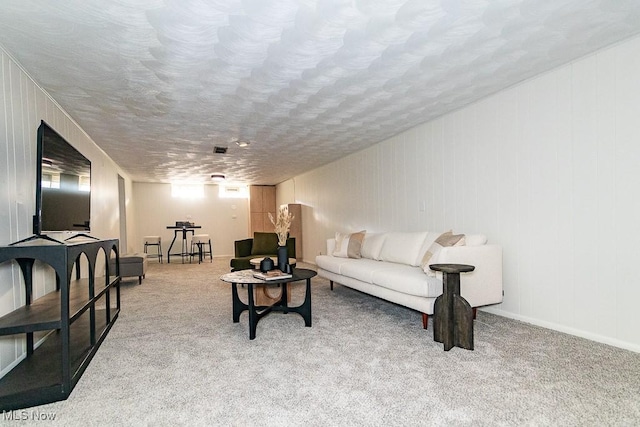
x,y
241,263
398,277
363,269
407,280
332,263
244,263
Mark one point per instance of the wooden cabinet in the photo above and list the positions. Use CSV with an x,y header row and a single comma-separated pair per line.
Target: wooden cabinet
x,y
78,315
262,201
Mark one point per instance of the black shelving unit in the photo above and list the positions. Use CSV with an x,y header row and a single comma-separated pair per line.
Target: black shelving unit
x,y
77,316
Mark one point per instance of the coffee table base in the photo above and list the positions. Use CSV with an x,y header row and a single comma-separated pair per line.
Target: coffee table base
x,y
257,312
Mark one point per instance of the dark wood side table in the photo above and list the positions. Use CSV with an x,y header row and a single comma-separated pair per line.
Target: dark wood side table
x,y
453,320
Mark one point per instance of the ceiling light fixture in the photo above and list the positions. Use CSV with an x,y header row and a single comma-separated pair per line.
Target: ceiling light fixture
x,y
242,144
218,177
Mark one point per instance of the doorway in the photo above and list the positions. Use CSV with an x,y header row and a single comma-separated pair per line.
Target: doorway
x,y
122,202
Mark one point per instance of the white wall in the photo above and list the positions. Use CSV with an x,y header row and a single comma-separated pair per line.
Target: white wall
x,y
23,104
286,193
224,220
549,169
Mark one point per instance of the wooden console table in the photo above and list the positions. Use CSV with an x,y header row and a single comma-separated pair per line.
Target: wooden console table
x,y
453,320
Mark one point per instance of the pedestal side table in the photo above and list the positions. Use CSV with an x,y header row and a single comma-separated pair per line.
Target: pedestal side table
x,y
453,320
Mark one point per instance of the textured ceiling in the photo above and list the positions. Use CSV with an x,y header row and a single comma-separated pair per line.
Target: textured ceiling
x,y
158,83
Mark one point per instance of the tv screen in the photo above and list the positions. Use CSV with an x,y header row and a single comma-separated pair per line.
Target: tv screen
x,y
63,191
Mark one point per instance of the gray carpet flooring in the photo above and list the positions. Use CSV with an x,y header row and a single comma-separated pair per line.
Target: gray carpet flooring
x,y
174,357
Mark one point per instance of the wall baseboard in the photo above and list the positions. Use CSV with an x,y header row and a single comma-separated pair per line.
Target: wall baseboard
x,y
564,329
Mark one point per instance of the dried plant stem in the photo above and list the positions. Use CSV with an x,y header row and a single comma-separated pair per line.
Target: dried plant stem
x,y
282,224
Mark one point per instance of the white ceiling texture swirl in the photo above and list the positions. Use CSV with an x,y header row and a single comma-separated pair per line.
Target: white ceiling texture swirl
x,y
158,83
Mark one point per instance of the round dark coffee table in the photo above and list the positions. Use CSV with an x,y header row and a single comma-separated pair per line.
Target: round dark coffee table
x,y
245,277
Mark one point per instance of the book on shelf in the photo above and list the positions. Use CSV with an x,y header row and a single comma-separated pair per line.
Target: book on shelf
x,y
272,275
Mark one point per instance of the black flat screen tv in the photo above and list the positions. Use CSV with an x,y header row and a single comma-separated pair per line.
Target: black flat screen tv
x,y
63,185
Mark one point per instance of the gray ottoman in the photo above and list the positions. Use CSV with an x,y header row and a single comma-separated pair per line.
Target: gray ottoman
x,y
132,265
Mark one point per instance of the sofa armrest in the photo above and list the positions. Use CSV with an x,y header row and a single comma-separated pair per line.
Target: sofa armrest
x,y
243,247
331,246
482,286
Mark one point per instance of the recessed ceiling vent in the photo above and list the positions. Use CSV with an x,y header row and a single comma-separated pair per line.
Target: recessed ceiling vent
x,y
220,150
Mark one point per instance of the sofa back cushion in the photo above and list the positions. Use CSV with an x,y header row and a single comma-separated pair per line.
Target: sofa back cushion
x,y
264,243
402,248
372,245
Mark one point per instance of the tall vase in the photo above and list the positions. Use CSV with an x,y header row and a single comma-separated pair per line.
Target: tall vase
x,y
283,258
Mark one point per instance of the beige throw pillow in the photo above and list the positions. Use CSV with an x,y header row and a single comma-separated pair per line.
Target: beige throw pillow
x,y
431,256
348,245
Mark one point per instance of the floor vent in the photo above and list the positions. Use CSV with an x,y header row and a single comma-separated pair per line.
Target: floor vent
x,y
220,150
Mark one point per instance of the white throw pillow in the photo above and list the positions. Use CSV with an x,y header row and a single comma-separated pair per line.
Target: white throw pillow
x,y
402,248
348,245
372,245
476,240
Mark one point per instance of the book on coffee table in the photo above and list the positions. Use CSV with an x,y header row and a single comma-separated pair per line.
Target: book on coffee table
x,y
272,275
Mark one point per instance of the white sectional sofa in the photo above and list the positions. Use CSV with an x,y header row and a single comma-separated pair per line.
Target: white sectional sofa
x,y
394,266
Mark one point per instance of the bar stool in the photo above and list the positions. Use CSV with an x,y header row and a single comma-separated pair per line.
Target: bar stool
x,y
153,241
201,241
